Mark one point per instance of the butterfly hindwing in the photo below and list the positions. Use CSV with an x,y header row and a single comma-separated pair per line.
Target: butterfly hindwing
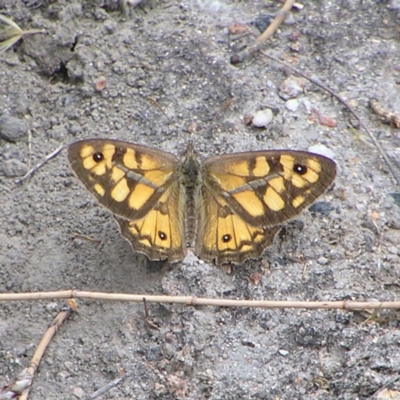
x,y
224,236
160,233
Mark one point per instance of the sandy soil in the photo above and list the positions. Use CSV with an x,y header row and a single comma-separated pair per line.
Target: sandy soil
x,y
178,54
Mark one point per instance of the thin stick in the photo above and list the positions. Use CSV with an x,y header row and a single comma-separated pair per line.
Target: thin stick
x,y
341,100
108,386
200,301
149,322
34,169
387,384
155,102
243,55
21,384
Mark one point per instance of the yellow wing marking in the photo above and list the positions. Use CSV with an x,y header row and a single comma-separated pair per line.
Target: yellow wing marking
x,y
240,168
298,201
129,159
229,184
156,178
273,200
299,181
250,202
140,195
261,167
117,174
278,184
99,189
120,191
97,168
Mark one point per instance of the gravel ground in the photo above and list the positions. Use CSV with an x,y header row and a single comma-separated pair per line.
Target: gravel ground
x,y
178,53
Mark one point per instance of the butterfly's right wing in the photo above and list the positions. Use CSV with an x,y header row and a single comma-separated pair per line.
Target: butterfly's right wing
x,y
245,197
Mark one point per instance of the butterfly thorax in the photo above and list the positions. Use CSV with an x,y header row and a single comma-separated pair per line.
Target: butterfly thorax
x,y
190,180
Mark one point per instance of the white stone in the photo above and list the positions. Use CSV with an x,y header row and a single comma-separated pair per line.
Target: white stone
x,y
292,105
322,150
262,118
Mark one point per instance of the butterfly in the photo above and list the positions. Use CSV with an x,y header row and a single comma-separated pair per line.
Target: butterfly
x,y
228,208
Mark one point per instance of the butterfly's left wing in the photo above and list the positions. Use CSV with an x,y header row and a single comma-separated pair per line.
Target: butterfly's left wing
x,y
141,187
246,196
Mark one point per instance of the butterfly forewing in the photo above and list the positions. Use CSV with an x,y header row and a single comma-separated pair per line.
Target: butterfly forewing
x,y
267,188
127,179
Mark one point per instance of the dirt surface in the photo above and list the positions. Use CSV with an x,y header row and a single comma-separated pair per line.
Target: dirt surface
x,y
178,53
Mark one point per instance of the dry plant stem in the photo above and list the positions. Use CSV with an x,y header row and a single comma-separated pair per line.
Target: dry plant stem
x,y
387,116
155,102
199,301
243,55
385,386
34,169
330,91
24,380
149,322
55,326
108,387
11,33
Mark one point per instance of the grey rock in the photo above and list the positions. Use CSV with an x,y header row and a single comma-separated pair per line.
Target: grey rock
x,y
12,128
12,168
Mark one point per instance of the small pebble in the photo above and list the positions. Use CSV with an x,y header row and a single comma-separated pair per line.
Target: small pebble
x,y
322,150
394,5
289,20
283,352
306,104
247,119
388,202
12,128
262,118
291,88
12,168
79,393
322,261
159,390
393,250
292,105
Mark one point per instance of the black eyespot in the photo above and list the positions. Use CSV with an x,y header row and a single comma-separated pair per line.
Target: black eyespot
x,y
97,157
226,238
162,235
300,169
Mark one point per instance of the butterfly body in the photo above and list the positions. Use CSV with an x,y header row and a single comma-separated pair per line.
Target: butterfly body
x,y
228,208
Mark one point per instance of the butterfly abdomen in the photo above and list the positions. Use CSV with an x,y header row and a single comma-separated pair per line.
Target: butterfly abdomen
x,y
190,180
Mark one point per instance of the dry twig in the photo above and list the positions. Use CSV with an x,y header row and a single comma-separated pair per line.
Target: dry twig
x,y
108,386
157,104
200,301
20,385
243,55
39,165
387,116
